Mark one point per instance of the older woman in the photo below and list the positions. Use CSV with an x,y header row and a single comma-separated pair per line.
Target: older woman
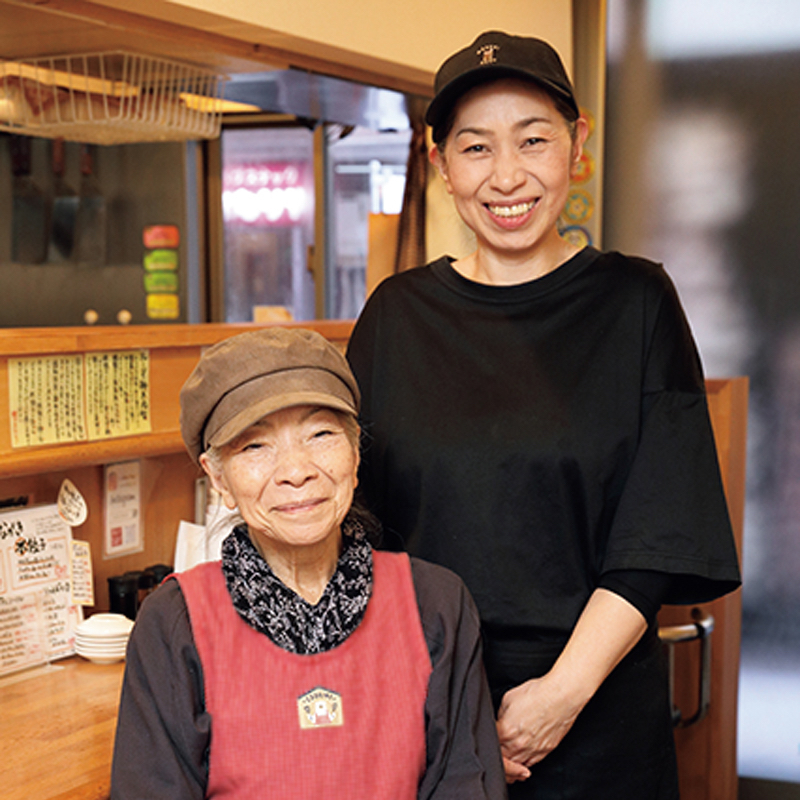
x,y
303,664
538,424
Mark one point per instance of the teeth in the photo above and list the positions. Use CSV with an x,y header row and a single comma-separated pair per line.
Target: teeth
x,y
511,211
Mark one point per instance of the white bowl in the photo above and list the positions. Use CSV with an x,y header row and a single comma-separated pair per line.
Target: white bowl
x,y
89,648
100,652
106,625
90,639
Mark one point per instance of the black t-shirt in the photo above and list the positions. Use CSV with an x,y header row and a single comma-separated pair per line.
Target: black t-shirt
x,y
535,437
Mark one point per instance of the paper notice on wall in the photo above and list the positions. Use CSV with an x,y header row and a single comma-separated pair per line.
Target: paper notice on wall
x,y
123,509
37,615
71,504
46,400
81,574
118,393
71,398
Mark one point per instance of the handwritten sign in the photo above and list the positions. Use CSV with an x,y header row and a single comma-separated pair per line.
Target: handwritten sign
x,y
21,643
37,615
82,580
71,504
118,393
46,400
72,398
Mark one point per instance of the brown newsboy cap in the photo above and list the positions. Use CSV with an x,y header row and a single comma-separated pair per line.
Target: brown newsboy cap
x,y
242,379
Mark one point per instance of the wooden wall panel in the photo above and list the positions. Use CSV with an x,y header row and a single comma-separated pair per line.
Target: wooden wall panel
x,y
707,750
167,475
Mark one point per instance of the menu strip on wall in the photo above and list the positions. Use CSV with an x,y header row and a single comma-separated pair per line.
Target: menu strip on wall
x,y
118,393
58,399
46,400
81,574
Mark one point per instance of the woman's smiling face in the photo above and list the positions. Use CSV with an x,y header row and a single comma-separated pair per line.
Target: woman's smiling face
x,y
292,476
507,163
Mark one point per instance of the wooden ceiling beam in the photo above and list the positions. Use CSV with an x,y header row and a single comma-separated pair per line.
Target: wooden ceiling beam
x,y
162,37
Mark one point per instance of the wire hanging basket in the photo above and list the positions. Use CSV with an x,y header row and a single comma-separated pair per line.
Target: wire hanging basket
x,y
109,98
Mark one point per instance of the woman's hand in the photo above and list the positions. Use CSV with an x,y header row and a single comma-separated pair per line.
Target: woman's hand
x,y
515,772
532,720
535,716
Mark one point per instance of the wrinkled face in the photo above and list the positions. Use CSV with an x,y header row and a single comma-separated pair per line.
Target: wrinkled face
x,y
292,476
507,163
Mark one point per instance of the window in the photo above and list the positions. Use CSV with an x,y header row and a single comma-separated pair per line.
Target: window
x,y
268,218
269,176
366,175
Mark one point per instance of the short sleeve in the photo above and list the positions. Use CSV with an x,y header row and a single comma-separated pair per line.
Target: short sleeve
x,y
673,516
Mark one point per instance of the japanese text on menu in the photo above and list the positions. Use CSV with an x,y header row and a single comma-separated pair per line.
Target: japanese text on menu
x,y
60,399
37,614
46,400
118,393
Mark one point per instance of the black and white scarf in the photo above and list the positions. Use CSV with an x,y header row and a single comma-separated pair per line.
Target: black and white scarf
x,y
265,603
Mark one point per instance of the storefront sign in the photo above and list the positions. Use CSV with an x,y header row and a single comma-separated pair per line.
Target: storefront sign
x,y
268,193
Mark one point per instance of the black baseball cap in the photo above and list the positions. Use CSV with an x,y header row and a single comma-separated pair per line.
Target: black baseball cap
x,y
495,55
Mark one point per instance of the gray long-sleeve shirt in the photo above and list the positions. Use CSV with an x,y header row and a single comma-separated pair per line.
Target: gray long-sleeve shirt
x,y
164,730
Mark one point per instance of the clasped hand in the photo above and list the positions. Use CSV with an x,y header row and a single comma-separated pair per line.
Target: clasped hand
x,y
532,720
535,716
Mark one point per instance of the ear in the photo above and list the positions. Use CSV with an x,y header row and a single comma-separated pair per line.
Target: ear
x,y
436,158
581,132
218,480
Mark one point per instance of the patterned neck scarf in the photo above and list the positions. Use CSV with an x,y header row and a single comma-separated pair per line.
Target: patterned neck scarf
x,y
292,623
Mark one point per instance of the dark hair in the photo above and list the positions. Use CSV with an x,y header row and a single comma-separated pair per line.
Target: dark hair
x,y
440,132
371,525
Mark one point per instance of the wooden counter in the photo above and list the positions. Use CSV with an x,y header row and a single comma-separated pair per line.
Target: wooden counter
x,y
57,727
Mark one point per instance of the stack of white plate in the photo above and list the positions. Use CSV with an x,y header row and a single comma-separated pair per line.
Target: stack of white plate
x,y
102,638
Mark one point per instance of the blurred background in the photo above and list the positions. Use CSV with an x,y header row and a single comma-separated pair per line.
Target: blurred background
x,y
703,173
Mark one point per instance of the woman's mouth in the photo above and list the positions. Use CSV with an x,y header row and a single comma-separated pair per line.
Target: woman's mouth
x,y
511,216
298,507
515,210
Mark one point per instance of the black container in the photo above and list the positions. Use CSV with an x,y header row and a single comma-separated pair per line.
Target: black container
x,y
160,571
123,594
147,582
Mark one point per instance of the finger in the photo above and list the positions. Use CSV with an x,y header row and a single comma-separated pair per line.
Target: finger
x,y
515,751
515,771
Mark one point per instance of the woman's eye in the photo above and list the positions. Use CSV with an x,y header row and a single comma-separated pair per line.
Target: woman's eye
x,y
475,148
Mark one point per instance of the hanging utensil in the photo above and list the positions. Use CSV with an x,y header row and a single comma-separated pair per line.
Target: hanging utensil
x,y
65,208
90,222
29,209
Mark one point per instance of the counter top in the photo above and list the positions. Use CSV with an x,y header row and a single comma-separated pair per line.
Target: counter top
x,y
20,342
57,726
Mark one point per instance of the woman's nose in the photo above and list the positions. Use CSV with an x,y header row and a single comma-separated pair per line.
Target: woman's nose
x,y
294,466
508,172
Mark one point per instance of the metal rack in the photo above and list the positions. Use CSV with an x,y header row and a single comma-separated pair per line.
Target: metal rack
x,y
109,98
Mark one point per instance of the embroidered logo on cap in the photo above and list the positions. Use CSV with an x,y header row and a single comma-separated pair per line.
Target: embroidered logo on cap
x,y
488,54
320,708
